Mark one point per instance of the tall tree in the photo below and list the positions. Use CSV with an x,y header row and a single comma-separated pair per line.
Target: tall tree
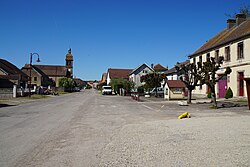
x,y
209,77
190,75
67,84
153,80
119,83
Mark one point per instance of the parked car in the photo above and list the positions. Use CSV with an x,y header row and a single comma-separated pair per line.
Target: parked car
x,y
159,91
106,90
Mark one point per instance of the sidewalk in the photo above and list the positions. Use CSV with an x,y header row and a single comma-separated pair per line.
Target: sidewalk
x,y
202,103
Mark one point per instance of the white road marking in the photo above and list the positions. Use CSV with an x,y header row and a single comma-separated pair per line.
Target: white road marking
x,y
147,107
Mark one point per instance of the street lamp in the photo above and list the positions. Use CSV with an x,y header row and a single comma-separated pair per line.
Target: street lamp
x,y
38,60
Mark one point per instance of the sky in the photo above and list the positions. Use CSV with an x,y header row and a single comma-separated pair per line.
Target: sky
x,y
109,33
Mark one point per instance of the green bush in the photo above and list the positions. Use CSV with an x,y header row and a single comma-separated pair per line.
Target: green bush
x,y
229,93
88,87
67,84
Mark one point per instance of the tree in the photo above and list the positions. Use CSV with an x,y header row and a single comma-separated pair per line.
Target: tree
x,y
152,80
242,10
119,83
67,83
209,77
190,76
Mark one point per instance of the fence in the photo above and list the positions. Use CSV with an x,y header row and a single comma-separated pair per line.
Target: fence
x,y
6,93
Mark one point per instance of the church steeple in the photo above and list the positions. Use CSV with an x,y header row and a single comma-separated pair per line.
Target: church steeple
x,y
69,64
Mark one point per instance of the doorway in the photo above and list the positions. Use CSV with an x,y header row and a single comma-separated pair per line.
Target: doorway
x,y
241,83
222,87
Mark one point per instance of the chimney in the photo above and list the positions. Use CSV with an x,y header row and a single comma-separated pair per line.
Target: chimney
x,y
230,23
152,66
240,18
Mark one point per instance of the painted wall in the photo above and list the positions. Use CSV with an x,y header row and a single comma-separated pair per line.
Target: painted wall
x,y
173,93
108,79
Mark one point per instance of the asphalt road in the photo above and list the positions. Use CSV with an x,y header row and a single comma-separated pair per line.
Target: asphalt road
x,y
88,129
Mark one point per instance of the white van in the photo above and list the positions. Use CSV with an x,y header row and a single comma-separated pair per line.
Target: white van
x,y
106,90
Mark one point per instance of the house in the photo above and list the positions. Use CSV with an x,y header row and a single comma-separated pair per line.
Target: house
x,y
38,77
118,74
233,43
54,72
159,68
41,73
11,75
80,83
104,78
172,73
11,78
174,89
137,73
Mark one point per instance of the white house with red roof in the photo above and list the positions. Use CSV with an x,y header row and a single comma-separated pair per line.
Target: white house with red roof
x,y
137,73
114,73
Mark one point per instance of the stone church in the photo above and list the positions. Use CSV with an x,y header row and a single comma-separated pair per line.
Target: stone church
x,y
45,75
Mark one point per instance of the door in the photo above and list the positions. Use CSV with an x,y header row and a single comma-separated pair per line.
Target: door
x,y
222,87
241,83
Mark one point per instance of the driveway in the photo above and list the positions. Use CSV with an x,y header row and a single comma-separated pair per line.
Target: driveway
x,y
88,129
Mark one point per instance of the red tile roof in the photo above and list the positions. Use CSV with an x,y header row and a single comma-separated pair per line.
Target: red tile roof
x,y
79,82
52,70
26,70
159,67
173,70
119,73
12,72
224,37
175,84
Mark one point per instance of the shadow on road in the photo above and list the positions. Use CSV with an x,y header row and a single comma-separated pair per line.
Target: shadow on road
x,y
5,105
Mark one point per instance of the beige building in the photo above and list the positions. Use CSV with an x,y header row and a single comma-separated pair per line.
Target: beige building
x,y
233,43
174,89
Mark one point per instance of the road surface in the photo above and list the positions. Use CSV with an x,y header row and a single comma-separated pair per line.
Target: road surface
x,y
88,129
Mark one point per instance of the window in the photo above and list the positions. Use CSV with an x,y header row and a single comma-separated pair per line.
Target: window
x,y
208,56
177,90
216,55
240,50
200,59
35,78
227,54
194,60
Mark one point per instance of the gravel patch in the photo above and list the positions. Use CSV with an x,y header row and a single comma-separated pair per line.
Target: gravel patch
x,y
208,141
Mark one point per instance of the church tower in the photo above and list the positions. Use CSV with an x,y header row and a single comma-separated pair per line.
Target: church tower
x,y
69,64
